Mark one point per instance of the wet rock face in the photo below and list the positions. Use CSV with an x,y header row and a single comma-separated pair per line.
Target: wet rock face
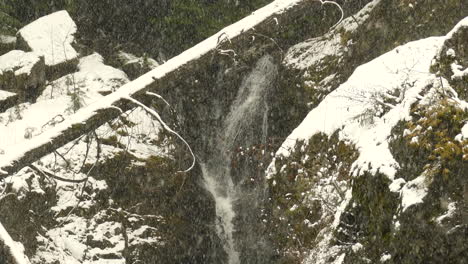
x,y
185,210
22,73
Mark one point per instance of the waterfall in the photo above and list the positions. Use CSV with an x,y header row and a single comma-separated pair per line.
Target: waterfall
x,y
246,123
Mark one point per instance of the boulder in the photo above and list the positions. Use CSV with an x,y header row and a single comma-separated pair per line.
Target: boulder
x,y
22,73
51,36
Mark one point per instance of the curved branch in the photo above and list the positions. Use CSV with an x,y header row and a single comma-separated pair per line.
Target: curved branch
x,y
51,175
156,115
159,97
339,7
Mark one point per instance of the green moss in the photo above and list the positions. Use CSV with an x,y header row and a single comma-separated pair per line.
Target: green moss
x,y
372,214
295,219
345,37
435,132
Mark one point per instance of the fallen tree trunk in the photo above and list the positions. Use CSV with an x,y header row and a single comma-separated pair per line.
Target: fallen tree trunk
x,y
266,21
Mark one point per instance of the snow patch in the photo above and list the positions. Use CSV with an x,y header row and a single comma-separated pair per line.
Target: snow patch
x,y
464,131
451,208
51,36
18,61
413,192
5,95
397,184
458,71
129,58
22,122
316,50
385,257
5,39
354,109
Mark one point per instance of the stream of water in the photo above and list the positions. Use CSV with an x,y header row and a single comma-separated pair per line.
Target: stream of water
x,y
245,124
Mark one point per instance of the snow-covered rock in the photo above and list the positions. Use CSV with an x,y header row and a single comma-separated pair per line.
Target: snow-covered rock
x,y
93,79
22,73
405,112
51,36
135,66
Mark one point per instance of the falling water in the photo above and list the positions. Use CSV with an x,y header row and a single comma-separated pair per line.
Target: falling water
x,y
245,124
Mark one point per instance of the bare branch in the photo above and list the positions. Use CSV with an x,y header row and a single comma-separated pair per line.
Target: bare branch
x,y
51,175
156,115
339,7
159,97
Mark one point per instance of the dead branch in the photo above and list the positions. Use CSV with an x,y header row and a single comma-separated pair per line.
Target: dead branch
x,y
167,128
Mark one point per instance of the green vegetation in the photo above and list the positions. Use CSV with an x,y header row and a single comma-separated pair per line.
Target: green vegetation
x,y
188,22
435,133
143,25
8,24
158,25
298,212
429,145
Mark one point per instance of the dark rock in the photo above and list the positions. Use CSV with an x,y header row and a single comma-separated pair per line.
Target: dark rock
x,y
7,100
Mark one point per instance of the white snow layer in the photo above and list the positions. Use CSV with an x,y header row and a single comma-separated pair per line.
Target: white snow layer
x,y
18,61
413,192
51,36
5,95
20,123
16,249
16,151
355,107
465,131
314,51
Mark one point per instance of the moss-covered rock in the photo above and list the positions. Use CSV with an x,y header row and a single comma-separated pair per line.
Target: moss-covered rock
x,y
304,193
378,223
321,64
452,61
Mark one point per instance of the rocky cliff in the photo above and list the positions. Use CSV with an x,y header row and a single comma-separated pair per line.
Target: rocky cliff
x,y
315,141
